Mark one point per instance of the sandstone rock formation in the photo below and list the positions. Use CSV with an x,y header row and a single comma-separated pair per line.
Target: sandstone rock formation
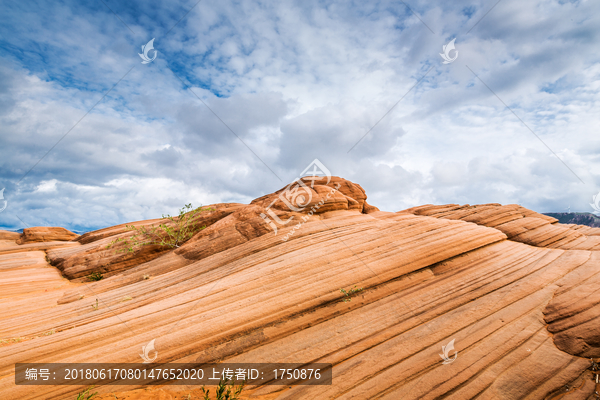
x,y
45,234
10,236
517,291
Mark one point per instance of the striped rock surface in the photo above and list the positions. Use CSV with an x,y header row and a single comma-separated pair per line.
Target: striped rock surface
x,y
518,293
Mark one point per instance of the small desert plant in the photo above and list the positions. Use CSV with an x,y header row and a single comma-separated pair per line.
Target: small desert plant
x,y
86,395
181,229
95,307
348,294
224,391
11,340
146,276
95,276
126,298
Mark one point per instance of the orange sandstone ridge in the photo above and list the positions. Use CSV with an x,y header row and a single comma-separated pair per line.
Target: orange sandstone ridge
x,y
517,291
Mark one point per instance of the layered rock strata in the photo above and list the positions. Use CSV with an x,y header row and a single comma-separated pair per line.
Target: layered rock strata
x,y
516,291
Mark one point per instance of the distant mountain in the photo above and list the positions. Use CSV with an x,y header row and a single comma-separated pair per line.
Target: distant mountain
x,y
577,218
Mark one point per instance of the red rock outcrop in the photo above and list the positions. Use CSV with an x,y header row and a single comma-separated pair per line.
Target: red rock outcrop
x,y
517,291
227,225
519,224
94,256
46,234
6,235
573,314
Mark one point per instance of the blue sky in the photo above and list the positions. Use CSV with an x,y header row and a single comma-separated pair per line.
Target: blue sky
x,y
294,81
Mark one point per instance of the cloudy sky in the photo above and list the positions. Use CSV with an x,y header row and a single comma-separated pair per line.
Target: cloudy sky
x,y
243,95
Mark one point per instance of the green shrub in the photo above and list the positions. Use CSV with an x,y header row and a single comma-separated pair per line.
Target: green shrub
x,y
348,294
95,276
224,391
173,235
86,395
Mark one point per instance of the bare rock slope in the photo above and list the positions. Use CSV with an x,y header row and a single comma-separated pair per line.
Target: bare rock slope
x,y
517,291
